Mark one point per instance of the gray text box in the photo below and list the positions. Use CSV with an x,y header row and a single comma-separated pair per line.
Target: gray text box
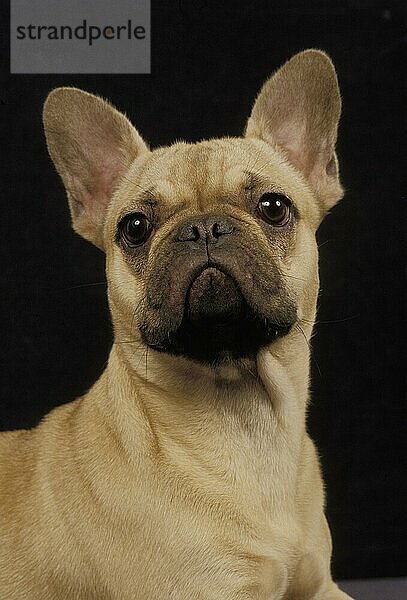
x,y
80,36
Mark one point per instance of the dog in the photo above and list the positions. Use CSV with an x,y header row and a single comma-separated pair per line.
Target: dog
x,y
186,471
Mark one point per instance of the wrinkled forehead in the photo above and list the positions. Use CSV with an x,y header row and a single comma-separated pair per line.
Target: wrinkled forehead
x,y
217,171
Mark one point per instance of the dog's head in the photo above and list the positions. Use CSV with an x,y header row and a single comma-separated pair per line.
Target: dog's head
x,y
210,247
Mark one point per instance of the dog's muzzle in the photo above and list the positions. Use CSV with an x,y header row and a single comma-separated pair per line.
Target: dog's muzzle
x,y
212,309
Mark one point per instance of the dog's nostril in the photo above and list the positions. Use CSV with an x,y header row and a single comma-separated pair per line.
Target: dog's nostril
x,y
216,232
209,228
195,235
222,228
189,233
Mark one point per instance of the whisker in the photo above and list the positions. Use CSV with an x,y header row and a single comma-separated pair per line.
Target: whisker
x,y
146,361
84,285
293,277
136,342
323,243
332,321
309,347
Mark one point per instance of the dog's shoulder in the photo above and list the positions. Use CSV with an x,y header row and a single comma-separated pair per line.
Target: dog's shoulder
x,y
13,446
24,452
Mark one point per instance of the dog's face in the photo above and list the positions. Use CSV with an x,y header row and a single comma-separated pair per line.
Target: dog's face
x,y
210,247
202,239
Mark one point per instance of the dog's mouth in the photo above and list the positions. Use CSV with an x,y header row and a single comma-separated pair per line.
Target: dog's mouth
x,y
219,323
213,294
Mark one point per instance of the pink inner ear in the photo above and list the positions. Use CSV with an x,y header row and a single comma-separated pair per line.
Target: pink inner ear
x,y
291,136
94,187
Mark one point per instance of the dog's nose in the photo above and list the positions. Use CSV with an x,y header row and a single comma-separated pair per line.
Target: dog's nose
x,y
208,228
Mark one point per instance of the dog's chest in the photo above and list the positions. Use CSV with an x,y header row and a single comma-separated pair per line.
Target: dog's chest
x,y
228,531
184,554
186,537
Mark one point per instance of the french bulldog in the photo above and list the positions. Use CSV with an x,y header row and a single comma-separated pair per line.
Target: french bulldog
x,y
186,471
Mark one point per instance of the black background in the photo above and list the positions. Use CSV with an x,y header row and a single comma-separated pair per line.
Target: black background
x,y
208,62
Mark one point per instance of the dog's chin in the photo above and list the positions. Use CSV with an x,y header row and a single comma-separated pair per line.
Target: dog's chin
x,y
215,340
218,324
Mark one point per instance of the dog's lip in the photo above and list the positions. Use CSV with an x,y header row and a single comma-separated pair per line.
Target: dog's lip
x,y
212,293
200,269
210,265
213,264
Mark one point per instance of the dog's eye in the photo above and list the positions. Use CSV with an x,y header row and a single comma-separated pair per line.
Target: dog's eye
x,y
135,229
275,209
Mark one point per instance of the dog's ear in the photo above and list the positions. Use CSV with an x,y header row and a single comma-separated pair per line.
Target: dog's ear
x,y
92,146
298,110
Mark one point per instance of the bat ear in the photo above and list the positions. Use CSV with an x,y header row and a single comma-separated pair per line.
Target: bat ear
x,y
298,111
92,146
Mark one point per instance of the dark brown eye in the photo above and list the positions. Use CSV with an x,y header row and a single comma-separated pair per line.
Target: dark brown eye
x,y
275,209
135,229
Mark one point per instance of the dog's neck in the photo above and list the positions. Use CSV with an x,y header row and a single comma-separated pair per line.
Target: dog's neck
x,y
229,431
183,404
